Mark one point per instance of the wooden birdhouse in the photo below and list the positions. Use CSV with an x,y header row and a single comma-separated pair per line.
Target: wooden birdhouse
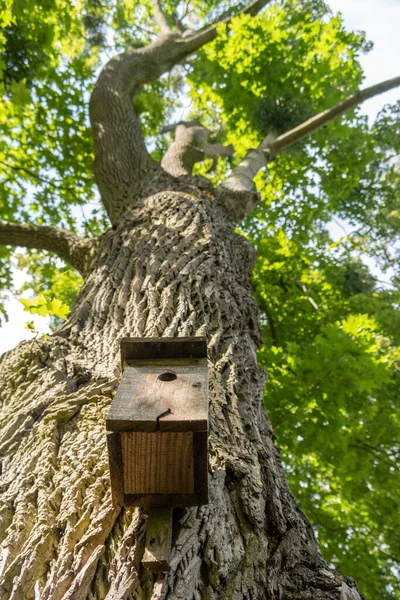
x,y
158,422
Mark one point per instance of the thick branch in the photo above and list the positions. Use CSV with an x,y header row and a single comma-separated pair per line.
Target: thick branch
x,y
160,18
123,167
241,178
189,147
173,126
67,245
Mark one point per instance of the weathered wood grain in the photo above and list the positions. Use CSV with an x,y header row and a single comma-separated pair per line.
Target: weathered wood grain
x,y
142,396
158,463
158,540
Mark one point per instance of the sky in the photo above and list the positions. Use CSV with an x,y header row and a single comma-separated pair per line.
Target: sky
x,y
380,19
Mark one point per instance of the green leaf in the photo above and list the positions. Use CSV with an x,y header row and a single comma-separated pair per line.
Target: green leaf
x,y
45,307
30,326
58,308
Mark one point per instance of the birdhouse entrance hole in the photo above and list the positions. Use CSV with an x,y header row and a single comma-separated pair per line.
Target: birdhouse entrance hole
x,y
167,377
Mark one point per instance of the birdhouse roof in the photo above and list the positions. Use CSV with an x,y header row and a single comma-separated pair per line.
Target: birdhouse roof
x,y
164,386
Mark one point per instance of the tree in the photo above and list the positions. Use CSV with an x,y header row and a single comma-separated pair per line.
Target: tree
x,y
170,264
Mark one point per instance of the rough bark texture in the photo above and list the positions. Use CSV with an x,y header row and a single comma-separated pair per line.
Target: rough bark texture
x,y
123,167
175,267
190,146
172,265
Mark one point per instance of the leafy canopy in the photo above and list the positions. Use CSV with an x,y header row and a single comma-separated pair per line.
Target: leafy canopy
x,y
331,329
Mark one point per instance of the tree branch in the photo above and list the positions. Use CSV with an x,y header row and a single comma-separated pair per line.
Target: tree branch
x,y
173,126
123,167
253,9
189,147
209,33
320,120
264,306
65,244
57,185
241,178
161,18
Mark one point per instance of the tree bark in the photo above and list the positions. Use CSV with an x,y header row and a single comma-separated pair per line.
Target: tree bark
x,y
123,167
190,146
172,265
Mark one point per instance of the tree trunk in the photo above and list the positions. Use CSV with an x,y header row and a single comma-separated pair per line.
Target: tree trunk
x,y
173,266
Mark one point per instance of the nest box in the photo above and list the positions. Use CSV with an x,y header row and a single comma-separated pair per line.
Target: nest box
x,y
158,422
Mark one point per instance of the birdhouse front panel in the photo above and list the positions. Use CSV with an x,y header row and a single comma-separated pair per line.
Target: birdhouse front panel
x,y
158,423
158,463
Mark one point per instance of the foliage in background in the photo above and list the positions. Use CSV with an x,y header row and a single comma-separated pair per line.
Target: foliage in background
x,y
331,330
332,338
54,286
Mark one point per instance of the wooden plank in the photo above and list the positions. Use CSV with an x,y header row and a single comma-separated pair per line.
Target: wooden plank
x,y
159,587
158,540
166,347
116,469
200,495
158,463
150,387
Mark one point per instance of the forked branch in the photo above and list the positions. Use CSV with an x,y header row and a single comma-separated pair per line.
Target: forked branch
x,y
161,18
241,178
123,167
190,146
253,9
208,32
66,245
